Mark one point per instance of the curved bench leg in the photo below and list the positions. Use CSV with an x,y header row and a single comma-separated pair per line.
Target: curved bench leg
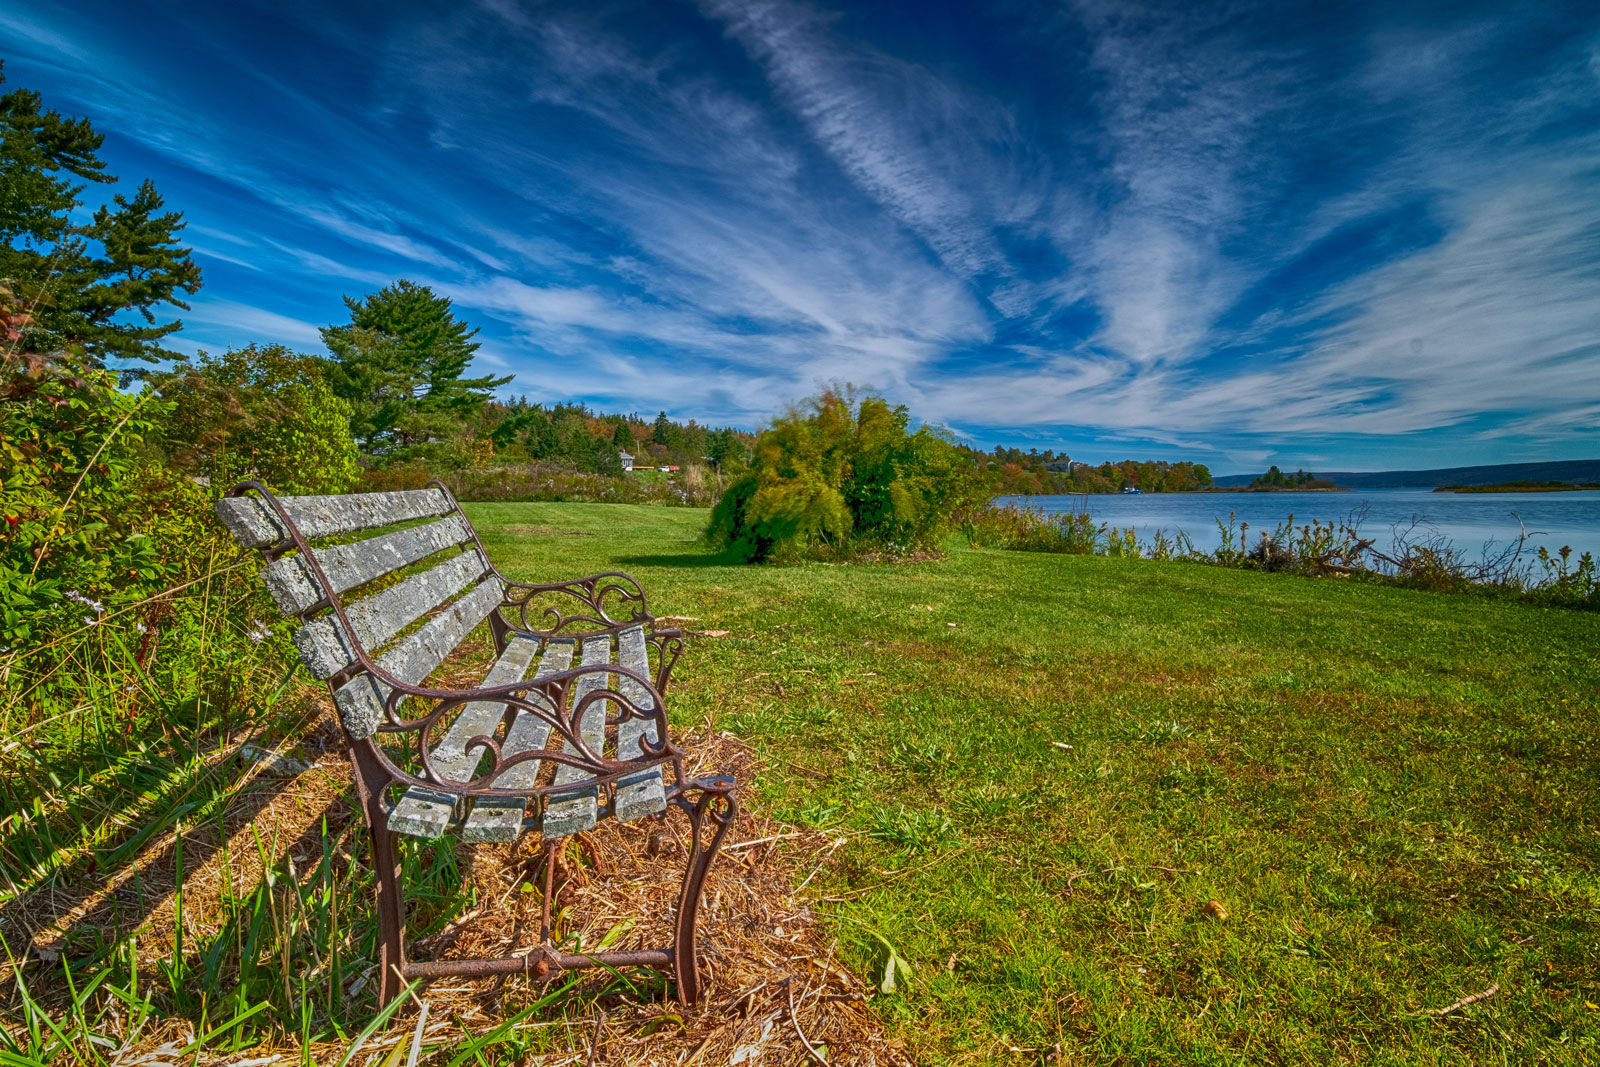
x,y
385,868
715,800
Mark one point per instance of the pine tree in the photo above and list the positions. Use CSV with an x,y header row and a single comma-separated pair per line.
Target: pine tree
x,y
663,432
402,358
623,436
78,281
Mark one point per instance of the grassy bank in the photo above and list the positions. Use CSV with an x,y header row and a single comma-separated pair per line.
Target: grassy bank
x,y
1043,768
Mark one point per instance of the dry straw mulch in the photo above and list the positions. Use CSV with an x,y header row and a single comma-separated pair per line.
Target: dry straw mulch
x,y
774,990
775,985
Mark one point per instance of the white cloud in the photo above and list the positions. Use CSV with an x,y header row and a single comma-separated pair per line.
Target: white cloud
x,y
240,324
396,243
905,136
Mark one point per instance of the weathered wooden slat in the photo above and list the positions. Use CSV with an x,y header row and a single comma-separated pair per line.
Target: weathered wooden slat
x,y
412,659
322,643
575,812
255,525
500,818
427,812
347,566
643,793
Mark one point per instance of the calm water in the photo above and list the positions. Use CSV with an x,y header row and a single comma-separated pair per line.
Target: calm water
x,y
1471,520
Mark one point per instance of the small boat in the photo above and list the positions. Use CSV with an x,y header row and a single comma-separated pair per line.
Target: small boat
x,y
1133,489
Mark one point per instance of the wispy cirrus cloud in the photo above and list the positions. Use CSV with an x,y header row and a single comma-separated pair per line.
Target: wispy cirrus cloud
x,y
1230,231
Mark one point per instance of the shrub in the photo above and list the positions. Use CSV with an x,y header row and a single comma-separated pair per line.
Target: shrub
x,y
844,475
261,412
1030,530
123,597
70,447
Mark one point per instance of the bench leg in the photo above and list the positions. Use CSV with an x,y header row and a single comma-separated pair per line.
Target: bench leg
x,y
386,870
391,913
715,800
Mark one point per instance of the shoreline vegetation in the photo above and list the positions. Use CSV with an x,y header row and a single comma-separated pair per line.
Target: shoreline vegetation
x,y
1520,487
1308,488
1413,557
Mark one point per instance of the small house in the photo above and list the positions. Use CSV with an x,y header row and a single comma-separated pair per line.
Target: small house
x,y
627,460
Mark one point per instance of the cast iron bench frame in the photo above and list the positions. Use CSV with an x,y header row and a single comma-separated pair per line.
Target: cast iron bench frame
x,y
569,705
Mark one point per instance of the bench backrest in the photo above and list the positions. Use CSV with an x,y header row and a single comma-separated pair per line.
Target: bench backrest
x,y
316,563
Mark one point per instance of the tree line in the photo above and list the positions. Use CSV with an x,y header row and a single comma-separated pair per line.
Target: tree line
x,y
1013,472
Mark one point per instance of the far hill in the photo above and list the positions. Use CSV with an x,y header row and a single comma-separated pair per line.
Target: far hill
x,y
1572,471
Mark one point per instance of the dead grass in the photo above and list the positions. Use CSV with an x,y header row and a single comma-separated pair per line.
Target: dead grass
x,y
773,983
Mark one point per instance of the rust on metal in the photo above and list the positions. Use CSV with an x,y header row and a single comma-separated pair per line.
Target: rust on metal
x,y
600,603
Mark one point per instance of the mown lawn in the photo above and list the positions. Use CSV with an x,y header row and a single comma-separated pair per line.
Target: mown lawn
x,y
1044,768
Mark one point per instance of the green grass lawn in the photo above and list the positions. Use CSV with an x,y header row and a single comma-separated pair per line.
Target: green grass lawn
x,y
1045,767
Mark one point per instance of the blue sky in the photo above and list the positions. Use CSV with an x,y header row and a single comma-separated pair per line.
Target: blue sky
x,y
1342,236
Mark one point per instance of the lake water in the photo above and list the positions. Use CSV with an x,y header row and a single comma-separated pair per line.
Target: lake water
x,y
1472,521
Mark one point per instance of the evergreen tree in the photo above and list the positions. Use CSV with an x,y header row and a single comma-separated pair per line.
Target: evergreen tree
x,y
541,441
402,358
664,432
720,445
78,280
623,436
606,459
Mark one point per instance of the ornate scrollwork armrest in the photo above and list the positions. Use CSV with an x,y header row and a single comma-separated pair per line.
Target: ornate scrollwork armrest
x,y
599,602
553,699
668,642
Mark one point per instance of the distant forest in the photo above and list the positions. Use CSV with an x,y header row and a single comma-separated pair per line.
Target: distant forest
x,y
1014,472
593,442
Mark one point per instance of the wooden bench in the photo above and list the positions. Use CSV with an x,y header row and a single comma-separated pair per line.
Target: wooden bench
x,y
567,728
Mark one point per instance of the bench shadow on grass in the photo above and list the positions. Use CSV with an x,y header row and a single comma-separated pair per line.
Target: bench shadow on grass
x,y
84,912
693,558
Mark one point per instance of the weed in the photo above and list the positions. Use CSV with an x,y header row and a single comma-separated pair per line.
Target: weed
x,y
912,829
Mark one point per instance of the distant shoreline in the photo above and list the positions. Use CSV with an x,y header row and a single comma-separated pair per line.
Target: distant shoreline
x,y
1200,492
1519,487
1241,490
1277,489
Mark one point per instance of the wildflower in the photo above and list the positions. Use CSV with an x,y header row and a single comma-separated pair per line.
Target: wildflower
x,y
88,620
78,598
258,631
141,627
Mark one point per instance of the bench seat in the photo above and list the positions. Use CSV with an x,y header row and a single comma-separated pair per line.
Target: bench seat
x,y
586,665
430,814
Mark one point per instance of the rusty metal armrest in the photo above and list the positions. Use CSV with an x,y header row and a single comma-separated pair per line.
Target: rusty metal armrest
x,y
548,698
601,600
607,601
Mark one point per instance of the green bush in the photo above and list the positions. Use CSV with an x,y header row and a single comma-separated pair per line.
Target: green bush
x,y
120,593
845,476
71,445
261,412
